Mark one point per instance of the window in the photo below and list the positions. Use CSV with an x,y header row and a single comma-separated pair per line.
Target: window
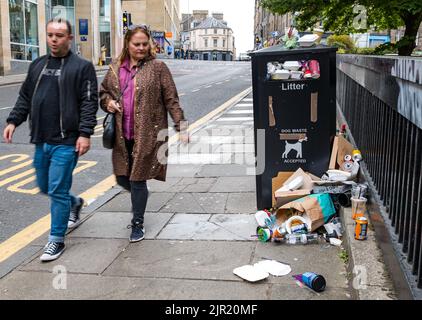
x,y
206,31
23,29
105,26
215,42
215,31
206,43
224,42
224,31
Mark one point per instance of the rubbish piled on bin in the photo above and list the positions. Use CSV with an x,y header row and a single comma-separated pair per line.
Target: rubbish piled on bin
x,y
308,40
306,207
290,38
297,70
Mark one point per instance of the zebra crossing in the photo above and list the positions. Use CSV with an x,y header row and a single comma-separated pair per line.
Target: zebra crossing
x,y
227,139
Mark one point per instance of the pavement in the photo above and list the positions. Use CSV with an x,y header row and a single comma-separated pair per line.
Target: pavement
x,y
199,226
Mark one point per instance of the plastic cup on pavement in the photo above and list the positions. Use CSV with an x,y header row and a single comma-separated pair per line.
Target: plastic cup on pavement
x,y
358,207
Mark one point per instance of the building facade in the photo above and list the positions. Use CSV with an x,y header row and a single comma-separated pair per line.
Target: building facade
x,y
162,16
206,37
95,23
268,26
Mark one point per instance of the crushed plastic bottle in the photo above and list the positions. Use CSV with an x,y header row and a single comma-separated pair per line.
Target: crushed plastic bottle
x,y
301,238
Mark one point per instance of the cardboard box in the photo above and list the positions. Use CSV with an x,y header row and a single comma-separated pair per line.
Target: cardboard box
x,y
341,147
282,197
316,209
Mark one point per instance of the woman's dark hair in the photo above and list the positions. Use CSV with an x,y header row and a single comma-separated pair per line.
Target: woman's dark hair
x,y
60,20
128,36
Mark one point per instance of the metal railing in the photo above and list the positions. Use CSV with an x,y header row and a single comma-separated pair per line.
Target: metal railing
x,y
381,100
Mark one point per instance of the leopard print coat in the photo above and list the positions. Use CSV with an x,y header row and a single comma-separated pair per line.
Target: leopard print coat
x,y
155,96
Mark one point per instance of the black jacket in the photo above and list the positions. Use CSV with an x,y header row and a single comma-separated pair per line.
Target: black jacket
x,y
78,97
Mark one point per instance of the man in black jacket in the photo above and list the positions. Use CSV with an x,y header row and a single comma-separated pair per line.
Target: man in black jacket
x,y
61,99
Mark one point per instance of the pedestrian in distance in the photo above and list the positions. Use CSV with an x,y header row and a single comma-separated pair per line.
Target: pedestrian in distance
x,y
139,89
60,97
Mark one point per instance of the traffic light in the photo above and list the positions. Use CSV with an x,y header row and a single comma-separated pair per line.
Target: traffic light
x,y
125,21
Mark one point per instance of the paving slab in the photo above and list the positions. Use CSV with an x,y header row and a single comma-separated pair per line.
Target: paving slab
x,y
122,202
212,260
82,255
226,170
242,225
321,258
163,186
113,225
183,202
35,285
199,227
211,202
178,170
244,202
234,184
198,185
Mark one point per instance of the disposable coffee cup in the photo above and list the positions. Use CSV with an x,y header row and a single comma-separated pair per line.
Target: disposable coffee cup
x,y
358,207
359,191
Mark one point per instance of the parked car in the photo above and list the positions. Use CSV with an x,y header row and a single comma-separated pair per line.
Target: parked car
x,y
244,57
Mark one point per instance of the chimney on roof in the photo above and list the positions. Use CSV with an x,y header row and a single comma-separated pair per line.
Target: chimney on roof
x,y
200,15
218,15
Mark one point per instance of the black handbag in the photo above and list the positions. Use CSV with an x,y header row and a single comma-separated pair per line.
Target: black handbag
x,y
109,123
109,134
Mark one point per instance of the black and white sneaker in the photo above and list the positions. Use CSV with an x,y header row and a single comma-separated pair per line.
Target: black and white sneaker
x,y
75,214
52,251
138,232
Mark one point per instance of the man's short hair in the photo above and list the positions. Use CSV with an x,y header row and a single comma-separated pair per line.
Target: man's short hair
x,y
61,20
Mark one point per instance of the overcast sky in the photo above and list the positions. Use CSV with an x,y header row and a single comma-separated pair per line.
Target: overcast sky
x,y
239,15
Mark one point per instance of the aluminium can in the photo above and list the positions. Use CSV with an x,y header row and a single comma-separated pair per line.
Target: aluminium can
x,y
361,228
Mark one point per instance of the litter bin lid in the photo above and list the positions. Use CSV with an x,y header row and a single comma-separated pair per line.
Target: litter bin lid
x,y
280,49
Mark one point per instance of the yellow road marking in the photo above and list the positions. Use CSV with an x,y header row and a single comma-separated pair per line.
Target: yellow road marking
x,y
18,166
38,228
20,157
18,186
26,236
16,177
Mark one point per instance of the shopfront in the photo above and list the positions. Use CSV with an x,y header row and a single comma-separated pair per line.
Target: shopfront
x,y
24,42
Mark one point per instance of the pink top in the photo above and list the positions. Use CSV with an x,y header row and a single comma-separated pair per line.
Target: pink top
x,y
125,74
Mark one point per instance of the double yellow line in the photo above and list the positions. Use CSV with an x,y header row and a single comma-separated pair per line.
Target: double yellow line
x,y
21,239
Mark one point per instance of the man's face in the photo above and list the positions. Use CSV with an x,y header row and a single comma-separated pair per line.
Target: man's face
x,y
58,39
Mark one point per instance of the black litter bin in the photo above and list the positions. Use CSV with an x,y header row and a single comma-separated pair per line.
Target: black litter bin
x,y
294,101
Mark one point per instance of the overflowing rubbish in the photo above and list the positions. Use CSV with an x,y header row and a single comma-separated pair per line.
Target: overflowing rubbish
x,y
308,40
312,280
296,70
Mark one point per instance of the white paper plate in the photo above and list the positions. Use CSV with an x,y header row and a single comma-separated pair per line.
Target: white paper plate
x,y
273,267
250,273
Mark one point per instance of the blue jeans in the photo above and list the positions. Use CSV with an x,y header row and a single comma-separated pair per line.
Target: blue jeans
x,y
54,166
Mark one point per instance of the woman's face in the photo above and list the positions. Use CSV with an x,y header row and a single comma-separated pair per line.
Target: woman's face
x,y
139,46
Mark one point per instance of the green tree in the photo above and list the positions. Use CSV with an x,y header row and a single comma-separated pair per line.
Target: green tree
x,y
348,16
